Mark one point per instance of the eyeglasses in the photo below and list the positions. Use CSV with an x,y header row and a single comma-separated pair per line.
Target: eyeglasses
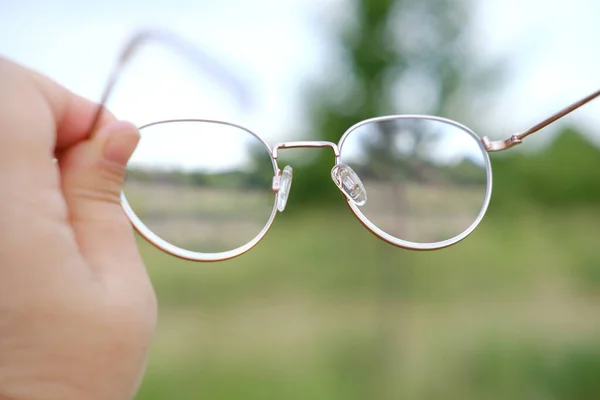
x,y
208,190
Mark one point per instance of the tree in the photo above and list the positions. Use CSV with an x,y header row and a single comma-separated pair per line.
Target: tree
x,y
400,56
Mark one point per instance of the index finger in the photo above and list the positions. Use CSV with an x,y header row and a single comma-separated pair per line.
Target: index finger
x,y
73,114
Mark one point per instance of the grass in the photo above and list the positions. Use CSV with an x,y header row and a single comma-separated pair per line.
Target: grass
x,y
321,309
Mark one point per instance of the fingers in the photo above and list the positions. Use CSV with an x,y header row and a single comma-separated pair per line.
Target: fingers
x,y
73,114
92,174
38,119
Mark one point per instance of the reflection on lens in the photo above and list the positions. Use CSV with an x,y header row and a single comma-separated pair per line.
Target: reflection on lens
x,y
426,179
201,186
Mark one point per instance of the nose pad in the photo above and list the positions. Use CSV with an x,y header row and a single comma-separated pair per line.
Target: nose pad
x,y
283,184
349,183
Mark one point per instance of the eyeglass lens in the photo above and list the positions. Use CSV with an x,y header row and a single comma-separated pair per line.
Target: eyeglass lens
x,y
425,178
201,186
207,186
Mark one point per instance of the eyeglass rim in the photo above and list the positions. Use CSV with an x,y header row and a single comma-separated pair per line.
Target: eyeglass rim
x,y
405,244
180,252
190,255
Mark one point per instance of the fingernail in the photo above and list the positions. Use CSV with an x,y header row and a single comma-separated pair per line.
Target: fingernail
x,y
122,138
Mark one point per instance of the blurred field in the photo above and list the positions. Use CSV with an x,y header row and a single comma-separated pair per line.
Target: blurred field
x,y
201,218
321,309
209,219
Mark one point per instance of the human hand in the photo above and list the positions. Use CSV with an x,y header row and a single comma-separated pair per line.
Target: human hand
x,y
77,309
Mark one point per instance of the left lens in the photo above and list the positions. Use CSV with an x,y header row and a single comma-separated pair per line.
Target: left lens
x,y
202,186
426,178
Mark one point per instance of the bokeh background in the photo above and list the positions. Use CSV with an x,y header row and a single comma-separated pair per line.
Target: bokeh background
x,y
322,309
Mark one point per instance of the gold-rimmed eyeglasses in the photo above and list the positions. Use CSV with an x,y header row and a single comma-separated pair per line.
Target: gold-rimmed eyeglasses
x,y
418,182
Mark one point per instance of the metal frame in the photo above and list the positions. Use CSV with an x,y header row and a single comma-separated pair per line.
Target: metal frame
x,y
219,73
337,149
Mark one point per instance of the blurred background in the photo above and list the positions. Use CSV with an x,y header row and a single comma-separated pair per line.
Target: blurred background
x,y
321,308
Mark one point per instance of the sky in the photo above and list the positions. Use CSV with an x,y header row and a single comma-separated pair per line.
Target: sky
x,y
274,46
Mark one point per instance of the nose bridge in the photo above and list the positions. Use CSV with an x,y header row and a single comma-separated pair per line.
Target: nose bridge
x,y
306,144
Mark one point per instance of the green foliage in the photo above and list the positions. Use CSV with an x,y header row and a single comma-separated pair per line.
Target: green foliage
x,y
385,48
501,369
565,174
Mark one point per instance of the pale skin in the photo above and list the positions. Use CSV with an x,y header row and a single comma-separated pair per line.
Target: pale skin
x,y
77,309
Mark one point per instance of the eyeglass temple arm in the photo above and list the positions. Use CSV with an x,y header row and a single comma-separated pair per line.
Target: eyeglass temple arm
x,y
206,64
517,138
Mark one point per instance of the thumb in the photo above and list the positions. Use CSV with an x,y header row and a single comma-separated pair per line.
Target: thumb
x,y
92,174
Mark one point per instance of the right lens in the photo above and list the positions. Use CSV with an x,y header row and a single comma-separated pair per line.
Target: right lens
x,y
426,179
202,186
